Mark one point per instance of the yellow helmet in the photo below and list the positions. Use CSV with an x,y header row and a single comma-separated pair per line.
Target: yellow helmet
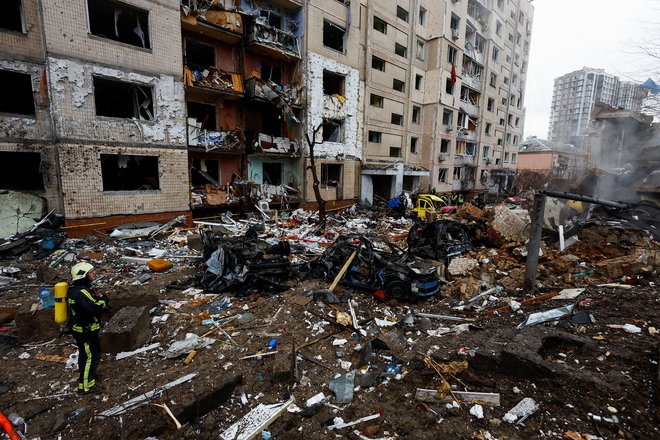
x,y
80,270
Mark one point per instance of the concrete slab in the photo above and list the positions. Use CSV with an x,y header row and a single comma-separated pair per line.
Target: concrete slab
x,y
127,330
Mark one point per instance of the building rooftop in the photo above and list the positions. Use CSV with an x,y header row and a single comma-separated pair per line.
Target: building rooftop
x,y
534,144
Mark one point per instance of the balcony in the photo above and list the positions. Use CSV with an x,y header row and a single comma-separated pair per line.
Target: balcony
x,y
477,56
288,4
201,81
267,144
273,42
334,107
471,81
469,108
466,135
463,159
268,91
220,25
216,141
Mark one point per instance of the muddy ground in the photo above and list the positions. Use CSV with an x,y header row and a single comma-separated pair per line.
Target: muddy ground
x,y
573,371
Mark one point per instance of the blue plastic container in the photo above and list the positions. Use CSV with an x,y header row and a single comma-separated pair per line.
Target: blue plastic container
x,y
46,298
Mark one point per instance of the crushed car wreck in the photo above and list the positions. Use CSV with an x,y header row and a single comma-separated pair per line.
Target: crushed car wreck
x,y
379,266
439,240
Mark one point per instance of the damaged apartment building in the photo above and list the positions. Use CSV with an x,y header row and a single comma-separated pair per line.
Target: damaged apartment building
x,y
243,88
444,93
92,114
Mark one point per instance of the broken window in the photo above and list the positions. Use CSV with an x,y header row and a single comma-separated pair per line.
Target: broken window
x,y
454,23
331,174
513,157
447,117
375,136
445,145
11,18
333,36
271,73
491,104
416,114
421,50
122,172
485,150
333,83
21,171
457,173
332,130
422,16
419,82
377,63
452,53
398,85
271,19
498,28
506,157
515,140
401,50
119,22
493,79
395,152
470,149
449,86
413,145
442,175
272,173
376,101
208,167
496,54
402,13
380,25
120,99
489,127
16,96
198,55
204,113
396,119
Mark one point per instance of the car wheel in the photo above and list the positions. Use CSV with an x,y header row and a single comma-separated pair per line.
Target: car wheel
x,y
397,289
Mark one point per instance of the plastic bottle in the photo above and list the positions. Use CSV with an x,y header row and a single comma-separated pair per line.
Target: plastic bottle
x,y
46,298
272,345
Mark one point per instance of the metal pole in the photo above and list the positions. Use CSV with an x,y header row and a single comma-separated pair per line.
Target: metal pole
x,y
534,241
581,198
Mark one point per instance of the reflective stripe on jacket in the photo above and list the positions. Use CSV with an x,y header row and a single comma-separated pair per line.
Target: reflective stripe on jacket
x,y
84,310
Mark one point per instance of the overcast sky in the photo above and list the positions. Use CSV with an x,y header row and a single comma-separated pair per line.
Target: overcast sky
x,y
570,34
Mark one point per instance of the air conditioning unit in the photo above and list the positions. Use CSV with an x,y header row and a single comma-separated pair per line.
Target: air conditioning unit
x,y
488,161
455,33
449,128
442,157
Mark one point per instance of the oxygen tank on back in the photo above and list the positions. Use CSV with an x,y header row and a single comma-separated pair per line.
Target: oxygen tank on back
x,y
61,306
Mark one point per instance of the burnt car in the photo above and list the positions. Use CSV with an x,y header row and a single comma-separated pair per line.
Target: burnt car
x,y
378,265
246,264
440,240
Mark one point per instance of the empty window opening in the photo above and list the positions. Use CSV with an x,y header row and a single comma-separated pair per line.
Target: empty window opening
x,y
413,145
332,130
271,19
445,146
122,172
204,113
380,25
402,13
331,174
271,73
21,171
272,173
470,149
333,36
119,22
447,117
378,63
452,53
401,50
375,137
491,104
416,115
11,18
454,23
419,82
120,99
395,152
16,96
442,175
457,173
199,56
376,101
333,84
201,168
422,16
486,149
271,124
398,85
449,86
396,119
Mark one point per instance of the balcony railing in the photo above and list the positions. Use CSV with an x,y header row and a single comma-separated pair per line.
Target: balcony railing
x,y
277,145
214,140
466,135
267,35
469,108
463,159
471,81
334,107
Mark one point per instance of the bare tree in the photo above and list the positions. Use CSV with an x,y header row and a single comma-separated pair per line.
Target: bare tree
x,y
312,166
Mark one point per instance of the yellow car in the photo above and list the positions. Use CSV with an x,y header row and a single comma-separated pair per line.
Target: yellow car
x,y
426,203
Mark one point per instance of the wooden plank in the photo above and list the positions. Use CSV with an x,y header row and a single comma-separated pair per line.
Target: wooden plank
x,y
343,270
489,399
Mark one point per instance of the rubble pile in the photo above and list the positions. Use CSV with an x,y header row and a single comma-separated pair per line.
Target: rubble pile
x,y
372,327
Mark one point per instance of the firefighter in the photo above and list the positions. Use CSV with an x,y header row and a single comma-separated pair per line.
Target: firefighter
x,y
85,308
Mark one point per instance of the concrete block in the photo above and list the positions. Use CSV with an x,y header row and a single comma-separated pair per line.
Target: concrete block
x,y
127,330
505,227
36,326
